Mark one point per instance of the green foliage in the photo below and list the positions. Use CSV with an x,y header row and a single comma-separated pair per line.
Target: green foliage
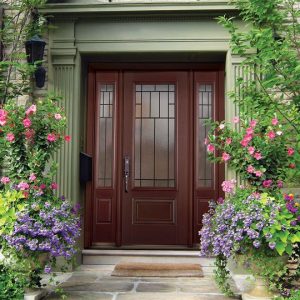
x,y
222,275
12,283
10,203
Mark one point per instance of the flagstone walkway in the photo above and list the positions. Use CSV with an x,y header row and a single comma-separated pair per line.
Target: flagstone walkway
x,y
95,283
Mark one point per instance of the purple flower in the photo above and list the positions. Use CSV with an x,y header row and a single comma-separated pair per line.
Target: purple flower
x,y
293,223
256,243
47,269
272,245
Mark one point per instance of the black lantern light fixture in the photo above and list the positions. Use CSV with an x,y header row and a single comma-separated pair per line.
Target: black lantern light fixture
x,y
35,52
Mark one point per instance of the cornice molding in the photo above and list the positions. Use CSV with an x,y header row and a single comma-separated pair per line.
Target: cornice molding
x,y
134,7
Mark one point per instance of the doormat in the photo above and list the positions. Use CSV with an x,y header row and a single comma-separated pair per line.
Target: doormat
x,y
140,269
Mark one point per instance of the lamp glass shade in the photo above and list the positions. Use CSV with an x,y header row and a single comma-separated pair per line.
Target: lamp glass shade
x,y
35,49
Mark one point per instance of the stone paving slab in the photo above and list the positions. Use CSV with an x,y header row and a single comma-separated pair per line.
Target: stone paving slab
x,y
169,296
102,286
83,295
157,287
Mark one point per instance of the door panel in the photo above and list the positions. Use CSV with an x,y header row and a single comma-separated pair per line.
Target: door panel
x,y
156,120
155,207
208,104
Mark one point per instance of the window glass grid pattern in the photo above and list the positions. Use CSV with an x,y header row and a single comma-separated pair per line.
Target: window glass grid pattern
x,y
105,138
205,112
154,135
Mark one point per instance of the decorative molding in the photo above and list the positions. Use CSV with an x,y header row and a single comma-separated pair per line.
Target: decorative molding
x,y
63,86
138,7
63,56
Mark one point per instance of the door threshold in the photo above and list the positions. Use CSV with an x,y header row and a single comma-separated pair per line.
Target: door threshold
x,y
143,247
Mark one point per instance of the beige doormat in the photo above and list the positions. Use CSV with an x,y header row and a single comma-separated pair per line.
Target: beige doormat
x,y
140,269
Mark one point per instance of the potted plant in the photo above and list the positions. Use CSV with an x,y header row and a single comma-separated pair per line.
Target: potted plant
x,y
37,225
255,225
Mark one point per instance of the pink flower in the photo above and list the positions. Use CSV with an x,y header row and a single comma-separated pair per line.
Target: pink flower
x,y
31,110
248,137
22,186
57,116
2,121
5,180
290,151
54,186
67,138
228,186
42,186
258,173
228,141
267,183
29,133
244,143
250,169
249,130
26,123
210,148
236,120
3,113
251,150
10,137
274,121
280,184
51,137
257,156
256,195
225,156
32,177
253,123
271,134
292,166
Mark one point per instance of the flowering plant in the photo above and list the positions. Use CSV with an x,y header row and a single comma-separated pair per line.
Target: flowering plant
x,y
31,135
259,225
260,151
35,220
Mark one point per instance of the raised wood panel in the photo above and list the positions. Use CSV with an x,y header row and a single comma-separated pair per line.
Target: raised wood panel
x,y
103,211
150,211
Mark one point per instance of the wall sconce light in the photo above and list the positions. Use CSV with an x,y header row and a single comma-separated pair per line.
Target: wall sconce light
x,y
35,52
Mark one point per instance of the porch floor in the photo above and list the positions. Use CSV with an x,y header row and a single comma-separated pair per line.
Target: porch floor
x,y
93,282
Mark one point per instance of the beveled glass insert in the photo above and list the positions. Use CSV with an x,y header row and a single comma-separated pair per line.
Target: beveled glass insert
x,y
205,112
105,134
154,135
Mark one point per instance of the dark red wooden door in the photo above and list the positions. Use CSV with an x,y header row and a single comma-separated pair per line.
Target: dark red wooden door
x,y
151,178
155,201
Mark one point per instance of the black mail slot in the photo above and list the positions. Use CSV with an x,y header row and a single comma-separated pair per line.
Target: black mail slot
x,y
85,168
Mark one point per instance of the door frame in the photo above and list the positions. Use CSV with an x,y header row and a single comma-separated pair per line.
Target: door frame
x,y
93,68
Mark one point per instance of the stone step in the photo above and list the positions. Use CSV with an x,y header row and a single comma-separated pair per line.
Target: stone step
x,y
111,257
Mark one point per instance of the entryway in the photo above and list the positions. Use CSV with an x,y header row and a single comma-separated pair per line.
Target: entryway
x,y
146,127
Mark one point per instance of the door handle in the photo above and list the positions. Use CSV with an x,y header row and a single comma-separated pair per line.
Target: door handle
x,y
126,172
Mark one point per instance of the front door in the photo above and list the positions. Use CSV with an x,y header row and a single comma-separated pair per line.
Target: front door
x,y
151,180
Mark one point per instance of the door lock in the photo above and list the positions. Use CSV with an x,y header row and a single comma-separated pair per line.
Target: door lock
x,y
126,172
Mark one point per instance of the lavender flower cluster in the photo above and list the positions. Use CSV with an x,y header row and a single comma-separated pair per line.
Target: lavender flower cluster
x,y
229,228
47,227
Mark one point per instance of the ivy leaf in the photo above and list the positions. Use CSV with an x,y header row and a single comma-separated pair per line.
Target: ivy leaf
x,y
280,247
283,235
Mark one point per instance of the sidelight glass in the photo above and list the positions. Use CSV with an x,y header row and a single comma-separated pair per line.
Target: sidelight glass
x,y
154,135
205,95
105,134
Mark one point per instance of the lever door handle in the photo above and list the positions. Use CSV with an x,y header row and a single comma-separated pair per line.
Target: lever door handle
x,y
126,172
